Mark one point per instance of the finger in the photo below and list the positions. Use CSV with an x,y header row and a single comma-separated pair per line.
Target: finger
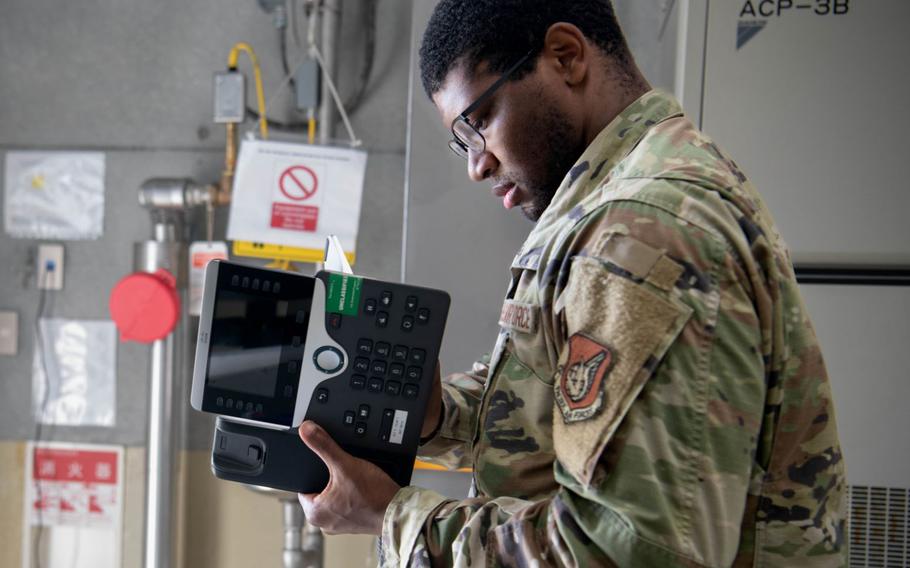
x,y
321,443
310,508
306,501
317,513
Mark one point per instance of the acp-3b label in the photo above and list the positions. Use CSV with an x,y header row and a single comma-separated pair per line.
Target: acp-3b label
x,y
755,14
778,8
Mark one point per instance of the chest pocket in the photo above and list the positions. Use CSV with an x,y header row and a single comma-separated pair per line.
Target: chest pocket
x,y
620,323
521,317
514,450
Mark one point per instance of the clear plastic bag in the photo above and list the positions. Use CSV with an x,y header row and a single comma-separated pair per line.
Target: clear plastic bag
x,y
54,195
74,371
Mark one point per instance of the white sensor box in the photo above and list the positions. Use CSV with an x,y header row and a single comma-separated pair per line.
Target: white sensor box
x,y
50,267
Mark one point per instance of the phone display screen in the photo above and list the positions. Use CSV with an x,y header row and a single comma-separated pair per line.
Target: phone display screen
x,y
258,332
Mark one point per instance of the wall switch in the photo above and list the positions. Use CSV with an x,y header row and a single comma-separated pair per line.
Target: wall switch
x,y
9,333
50,267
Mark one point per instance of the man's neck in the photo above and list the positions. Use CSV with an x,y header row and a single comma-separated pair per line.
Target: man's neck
x,y
614,96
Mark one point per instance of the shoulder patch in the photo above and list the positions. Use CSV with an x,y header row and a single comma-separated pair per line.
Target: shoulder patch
x,y
580,393
607,317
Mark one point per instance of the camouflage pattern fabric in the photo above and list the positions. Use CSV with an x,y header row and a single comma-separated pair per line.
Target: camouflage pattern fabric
x,y
656,397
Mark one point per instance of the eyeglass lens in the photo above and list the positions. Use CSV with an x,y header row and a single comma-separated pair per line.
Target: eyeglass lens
x,y
468,135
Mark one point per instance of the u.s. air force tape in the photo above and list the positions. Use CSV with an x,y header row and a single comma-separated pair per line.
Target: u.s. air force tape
x,y
519,317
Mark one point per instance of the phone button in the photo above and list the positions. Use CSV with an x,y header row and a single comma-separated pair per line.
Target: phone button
x,y
328,359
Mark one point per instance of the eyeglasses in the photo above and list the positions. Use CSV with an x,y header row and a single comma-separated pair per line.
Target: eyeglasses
x,y
465,135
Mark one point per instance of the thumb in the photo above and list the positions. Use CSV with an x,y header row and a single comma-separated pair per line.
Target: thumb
x,y
321,443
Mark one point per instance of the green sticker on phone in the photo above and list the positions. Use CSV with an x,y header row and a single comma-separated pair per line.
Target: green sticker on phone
x,y
343,295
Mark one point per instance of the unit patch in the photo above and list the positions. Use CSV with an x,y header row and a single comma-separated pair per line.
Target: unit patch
x,y
580,393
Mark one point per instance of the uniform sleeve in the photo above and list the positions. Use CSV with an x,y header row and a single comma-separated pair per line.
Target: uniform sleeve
x,y
461,396
659,393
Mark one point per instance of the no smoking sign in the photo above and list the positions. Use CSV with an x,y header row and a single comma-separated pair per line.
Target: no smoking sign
x,y
294,195
296,184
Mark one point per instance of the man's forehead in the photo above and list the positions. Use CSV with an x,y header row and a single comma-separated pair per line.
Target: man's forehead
x,y
461,87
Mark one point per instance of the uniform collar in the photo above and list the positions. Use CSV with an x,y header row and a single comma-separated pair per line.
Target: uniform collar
x,y
599,159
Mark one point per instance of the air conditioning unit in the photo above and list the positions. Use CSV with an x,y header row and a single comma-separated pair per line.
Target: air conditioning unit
x,y
809,96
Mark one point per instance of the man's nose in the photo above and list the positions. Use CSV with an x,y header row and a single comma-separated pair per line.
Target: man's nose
x,y
481,165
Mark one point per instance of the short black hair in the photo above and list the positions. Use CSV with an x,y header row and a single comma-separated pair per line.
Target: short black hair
x,y
500,32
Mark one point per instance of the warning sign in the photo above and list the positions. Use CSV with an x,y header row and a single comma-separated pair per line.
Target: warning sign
x,y
298,183
294,217
70,485
295,195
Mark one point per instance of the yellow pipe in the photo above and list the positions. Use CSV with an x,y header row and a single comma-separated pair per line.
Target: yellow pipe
x,y
257,75
230,162
311,130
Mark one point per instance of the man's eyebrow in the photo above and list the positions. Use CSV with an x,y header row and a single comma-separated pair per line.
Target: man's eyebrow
x,y
485,106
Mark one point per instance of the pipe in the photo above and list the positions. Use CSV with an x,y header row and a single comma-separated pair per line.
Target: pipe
x,y
303,543
162,252
312,544
160,463
331,25
292,555
173,194
230,165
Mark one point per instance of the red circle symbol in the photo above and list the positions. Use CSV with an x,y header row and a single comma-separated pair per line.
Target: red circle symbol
x,y
298,183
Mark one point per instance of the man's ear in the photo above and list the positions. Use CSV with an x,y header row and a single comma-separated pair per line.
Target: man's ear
x,y
566,47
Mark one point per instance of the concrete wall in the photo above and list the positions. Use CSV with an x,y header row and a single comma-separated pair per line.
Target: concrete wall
x,y
132,79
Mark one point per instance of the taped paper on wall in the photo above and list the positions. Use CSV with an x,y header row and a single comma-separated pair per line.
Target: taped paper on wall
x,y
74,484
201,253
73,506
54,195
73,373
295,195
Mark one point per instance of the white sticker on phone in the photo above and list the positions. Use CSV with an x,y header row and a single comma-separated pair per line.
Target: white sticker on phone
x,y
398,424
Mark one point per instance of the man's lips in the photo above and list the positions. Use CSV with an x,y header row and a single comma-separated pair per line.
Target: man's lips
x,y
510,194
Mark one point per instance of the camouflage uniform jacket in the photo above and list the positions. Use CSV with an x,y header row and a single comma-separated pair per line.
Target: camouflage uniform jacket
x,y
656,396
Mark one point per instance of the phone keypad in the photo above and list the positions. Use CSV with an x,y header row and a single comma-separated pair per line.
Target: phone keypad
x,y
386,371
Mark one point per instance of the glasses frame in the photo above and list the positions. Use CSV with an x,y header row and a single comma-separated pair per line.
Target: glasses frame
x,y
460,146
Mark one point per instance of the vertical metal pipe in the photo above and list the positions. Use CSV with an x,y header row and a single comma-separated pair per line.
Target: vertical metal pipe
x,y
303,542
160,457
331,25
162,252
313,544
292,555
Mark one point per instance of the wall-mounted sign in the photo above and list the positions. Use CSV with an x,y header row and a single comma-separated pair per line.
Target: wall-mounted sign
x,y
295,195
73,509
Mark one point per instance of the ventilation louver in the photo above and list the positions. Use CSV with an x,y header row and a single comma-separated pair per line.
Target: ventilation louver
x,y
879,527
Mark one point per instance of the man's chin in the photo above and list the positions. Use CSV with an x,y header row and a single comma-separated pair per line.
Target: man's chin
x,y
535,207
532,212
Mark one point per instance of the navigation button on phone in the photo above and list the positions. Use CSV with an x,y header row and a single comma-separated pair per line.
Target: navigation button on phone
x,y
329,359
